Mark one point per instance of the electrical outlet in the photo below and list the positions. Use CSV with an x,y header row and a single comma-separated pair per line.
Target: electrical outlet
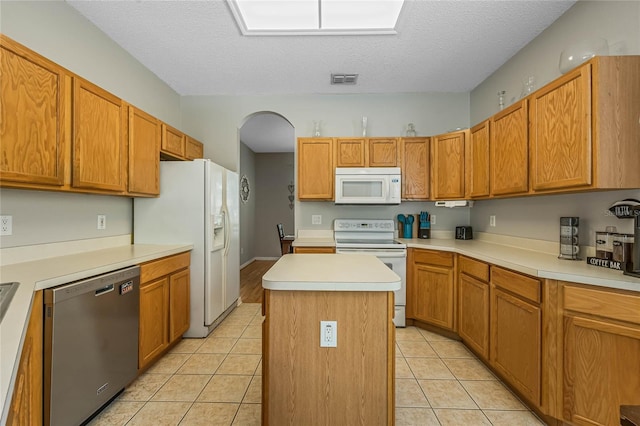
x,y
492,220
6,225
433,219
316,219
102,221
328,334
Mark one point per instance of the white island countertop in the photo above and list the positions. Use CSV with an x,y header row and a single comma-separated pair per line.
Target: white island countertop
x,y
330,272
45,273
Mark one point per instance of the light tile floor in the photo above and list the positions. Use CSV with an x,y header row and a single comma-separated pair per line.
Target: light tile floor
x,y
217,381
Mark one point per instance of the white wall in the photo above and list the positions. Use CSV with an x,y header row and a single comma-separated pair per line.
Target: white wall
x,y
616,21
274,172
55,30
538,217
219,117
248,209
58,32
41,217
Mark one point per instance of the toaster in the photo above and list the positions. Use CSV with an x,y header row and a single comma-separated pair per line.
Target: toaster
x,y
464,233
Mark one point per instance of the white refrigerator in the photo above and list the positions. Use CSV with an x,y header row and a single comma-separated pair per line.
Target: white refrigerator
x,y
199,205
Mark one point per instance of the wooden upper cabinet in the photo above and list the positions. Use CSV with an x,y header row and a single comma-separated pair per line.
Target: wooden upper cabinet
x,y
509,144
383,152
584,128
415,168
144,153
478,161
193,149
447,165
351,152
173,141
34,106
315,169
560,137
99,123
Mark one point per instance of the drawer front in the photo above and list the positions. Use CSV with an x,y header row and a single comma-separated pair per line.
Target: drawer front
x,y
522,285
474,268
438,258
604,303
158,268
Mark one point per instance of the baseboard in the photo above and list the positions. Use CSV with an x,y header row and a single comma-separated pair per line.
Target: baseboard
x,y
247,263
250,261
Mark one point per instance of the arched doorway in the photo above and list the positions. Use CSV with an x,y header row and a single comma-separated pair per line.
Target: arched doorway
x,y
267,141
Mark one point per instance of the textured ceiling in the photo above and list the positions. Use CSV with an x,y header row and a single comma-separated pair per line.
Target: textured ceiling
x,y
441,46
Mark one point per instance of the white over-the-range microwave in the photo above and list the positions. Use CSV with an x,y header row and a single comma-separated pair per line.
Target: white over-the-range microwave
x,y
368,185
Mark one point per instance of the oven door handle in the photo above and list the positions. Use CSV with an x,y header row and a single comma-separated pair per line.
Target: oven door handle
x,y
377,253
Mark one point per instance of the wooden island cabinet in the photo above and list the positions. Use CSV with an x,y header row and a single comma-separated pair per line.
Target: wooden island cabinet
x,y
306,383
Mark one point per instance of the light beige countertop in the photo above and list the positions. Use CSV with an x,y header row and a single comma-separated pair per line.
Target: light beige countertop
x,y
330,272
536,263
49,272
314,238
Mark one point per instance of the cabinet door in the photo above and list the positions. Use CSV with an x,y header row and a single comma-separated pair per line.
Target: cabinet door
x,y
193,149
515,347
33,101
415,168
434,295
315,169
154,310
510,150
601,370
173,141
26,402
144,153
99,154
179,304
351,152
383,152
447,167
560,132
478,161
473,324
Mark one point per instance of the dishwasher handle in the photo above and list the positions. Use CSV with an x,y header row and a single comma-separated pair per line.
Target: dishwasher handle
x,y
104,290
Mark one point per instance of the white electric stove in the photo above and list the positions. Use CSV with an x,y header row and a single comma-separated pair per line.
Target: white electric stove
x,y
376,237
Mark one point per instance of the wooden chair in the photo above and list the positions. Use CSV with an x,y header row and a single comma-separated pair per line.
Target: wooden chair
x,y
285,242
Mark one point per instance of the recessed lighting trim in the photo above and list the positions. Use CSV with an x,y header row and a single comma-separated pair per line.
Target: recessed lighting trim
x,y
316,17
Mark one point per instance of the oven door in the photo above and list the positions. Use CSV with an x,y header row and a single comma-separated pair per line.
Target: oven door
x,y
396,260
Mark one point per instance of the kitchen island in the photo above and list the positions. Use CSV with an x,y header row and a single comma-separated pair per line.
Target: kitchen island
x,y
351,383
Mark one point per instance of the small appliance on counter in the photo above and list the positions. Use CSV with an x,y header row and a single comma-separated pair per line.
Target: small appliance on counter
x,y
569,244
464,233
424,230
633,267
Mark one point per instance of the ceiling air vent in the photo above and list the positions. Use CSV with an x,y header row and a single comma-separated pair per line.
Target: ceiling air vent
x,y
344,78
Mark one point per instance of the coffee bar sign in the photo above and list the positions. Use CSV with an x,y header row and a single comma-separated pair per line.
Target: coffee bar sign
x,y
606,263
624,209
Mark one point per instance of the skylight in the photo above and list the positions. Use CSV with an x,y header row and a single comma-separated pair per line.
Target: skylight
x,y
316,17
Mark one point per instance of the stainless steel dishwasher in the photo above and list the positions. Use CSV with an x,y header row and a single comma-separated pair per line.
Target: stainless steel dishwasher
x,y
91,344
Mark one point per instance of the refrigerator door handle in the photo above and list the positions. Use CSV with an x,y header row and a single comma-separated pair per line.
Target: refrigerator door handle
x,y
227,231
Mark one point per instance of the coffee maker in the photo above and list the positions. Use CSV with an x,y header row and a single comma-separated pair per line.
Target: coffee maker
x,y
633,268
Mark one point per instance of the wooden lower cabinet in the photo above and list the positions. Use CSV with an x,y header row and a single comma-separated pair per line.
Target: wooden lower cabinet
x,y
473,313
26,402
301,250
431,286
164,305
516,344
601,357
